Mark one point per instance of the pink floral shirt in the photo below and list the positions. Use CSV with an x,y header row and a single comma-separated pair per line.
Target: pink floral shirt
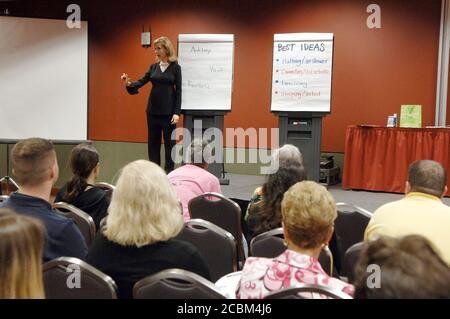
x,y
262,276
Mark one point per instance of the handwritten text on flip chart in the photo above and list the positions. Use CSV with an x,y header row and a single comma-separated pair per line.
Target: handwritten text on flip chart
x,y
301,79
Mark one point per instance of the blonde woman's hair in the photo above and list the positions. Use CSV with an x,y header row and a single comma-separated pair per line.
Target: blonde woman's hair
x,y
21,248
308,212
167,45
144,208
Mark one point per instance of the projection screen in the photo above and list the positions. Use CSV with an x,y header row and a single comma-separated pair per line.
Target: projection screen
x,y
43,79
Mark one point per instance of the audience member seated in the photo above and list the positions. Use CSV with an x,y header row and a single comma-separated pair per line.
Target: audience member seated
x,y
401,268
35,169
266,214
287,153
308,215
420,212
143,218
21,245
80,190
192,179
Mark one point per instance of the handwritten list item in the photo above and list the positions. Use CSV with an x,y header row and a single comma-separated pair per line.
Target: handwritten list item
x,y
301,75
207,70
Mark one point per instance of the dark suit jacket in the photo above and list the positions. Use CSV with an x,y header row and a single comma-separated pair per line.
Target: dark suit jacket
x,y
165,96
63,238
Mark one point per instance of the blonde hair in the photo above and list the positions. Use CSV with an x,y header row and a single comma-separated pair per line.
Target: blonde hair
x,y
144,208
21,246
308,213
167,45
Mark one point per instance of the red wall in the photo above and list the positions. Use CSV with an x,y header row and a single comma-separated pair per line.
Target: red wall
x,y
375,71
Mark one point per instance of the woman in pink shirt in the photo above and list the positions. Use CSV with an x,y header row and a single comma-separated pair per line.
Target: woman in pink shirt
x,y
308,213
192,179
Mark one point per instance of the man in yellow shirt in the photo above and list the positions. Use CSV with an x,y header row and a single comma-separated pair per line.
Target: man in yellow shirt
x,y
420,212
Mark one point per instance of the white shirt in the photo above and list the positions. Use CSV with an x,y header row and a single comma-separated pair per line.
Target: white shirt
x,y
163,65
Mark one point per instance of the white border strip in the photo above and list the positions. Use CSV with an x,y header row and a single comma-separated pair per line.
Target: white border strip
x,y
443,65
205,37
303,37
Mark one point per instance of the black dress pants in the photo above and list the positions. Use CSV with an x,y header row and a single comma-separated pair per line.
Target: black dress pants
x,y
157,124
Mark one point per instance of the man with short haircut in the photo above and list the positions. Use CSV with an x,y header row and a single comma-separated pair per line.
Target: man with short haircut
x,y
420,212
35,169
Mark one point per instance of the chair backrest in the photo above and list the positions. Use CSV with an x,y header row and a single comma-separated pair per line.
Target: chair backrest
x,y
268,244
84,222
175,284
243,205
7,185
220,211
72,278
350,259
295,293
271,244
3,198
209,240
349,226
107,187
103,222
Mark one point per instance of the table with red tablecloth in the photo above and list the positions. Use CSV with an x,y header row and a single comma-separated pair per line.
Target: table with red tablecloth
x,y
377,158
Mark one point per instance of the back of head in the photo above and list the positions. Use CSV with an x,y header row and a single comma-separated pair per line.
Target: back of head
x,y
308,212
31,160
144,208
199,153
409,268
83,160
427,176
21,246
288,153
273,190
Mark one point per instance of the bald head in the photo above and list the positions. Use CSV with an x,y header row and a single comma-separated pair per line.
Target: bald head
x,y
427,177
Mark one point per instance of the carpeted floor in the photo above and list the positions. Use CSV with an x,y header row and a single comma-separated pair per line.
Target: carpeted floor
x,y
242,187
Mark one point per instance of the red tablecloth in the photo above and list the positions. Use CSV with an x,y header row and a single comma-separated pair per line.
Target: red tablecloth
x,y
377,158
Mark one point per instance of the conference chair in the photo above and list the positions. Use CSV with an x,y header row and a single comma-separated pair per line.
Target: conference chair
x,y
7,185
243,205
84,222
349,226
217,246
307,291
222,212
107,187
72,278
103,222
175,284
351,257
270,244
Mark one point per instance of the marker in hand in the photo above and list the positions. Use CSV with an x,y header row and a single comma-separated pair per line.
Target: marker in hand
x,y
126,78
